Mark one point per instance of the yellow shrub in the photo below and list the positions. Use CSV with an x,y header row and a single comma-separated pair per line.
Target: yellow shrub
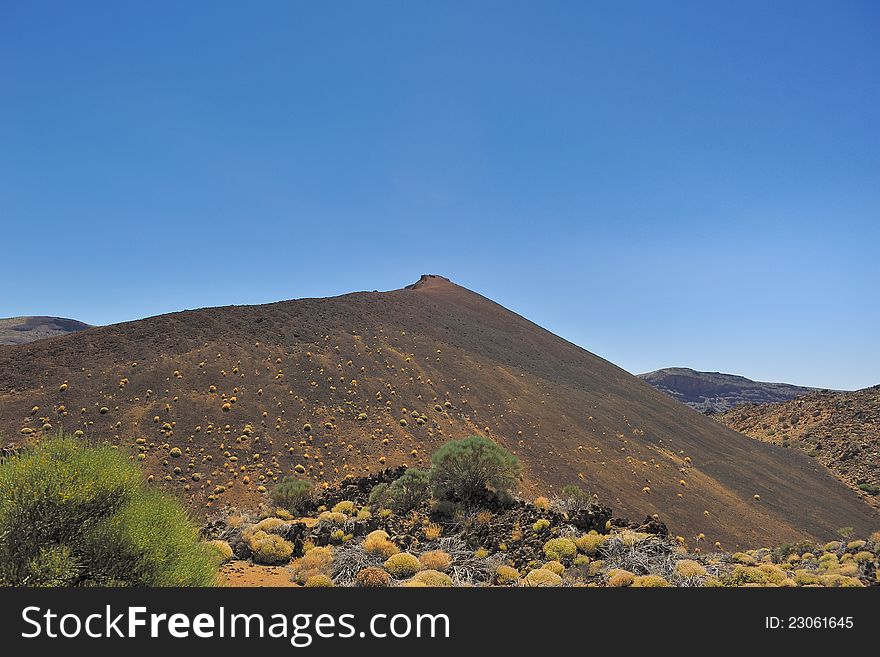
x,y
317,561
828,563
773,573
830,580
554,567
560,549
581,560
435,560
743,575
433,531
542,503
849,570
402,565
332,517
372,577
851,582
377,534
855,545
506,575
540,525
743,558
268,524
649,581
316,581
433,578
589,543
270,549
542,577
631,538
805,578
345,507
690,568
618,577
833,546
863,556
481,553
377,542
483,518
224,549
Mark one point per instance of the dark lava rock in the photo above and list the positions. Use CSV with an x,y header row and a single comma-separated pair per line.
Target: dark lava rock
x,y
242,550
358,489
653,526
213,530
593,517
296,534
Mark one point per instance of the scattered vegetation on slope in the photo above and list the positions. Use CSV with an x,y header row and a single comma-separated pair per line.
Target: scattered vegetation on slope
x,y
76,515
488,538
841,430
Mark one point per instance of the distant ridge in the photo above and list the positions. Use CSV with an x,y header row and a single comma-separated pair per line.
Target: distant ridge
x,y
21,330
715,392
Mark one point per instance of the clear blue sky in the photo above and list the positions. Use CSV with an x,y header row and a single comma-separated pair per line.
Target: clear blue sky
x,y
677,183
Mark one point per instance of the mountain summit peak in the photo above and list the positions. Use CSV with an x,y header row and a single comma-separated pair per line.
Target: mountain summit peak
x,y
429,280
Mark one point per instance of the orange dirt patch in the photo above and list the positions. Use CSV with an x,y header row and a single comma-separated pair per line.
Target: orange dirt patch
x,y
244,573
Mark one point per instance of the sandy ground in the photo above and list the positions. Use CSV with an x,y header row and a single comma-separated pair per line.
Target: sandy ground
x,y
244,573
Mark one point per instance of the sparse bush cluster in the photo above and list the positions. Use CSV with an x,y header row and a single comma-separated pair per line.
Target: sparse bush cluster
x,y
116,530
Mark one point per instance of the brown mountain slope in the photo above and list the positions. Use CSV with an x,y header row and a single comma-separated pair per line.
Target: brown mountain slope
x,y
21,330
841,430
715,392
384,378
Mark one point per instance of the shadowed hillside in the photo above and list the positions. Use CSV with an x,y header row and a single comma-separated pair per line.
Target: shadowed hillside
x,y
21,330
220,402
717,392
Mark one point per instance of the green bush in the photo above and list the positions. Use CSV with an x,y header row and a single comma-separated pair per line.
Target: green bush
x,y
574,497
465,469
379,496
295,495
409,490
74,515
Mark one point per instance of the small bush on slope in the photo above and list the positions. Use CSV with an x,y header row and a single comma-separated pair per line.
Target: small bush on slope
x,y
465,469
409,490
74,515
294,495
